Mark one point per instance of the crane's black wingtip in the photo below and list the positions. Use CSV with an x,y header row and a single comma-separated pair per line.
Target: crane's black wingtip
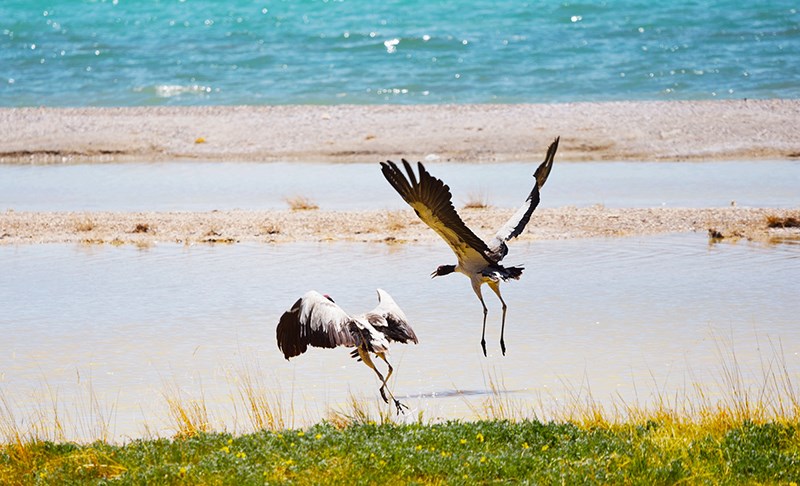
x,y
543,171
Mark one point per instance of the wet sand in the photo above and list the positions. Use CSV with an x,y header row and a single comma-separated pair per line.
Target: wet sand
x,y
646,131
386,227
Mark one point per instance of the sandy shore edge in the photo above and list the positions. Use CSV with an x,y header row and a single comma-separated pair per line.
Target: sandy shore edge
x,y
389,227
648,131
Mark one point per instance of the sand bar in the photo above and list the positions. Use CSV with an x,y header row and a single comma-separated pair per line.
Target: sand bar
x,y
386,227
648,131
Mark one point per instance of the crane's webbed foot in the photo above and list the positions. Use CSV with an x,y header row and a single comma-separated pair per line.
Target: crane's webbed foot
x,y
400,406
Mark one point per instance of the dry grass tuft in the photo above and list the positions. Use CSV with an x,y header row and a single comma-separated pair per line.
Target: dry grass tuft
x,y
47,421
301,203
141,228
783,221
189,417
212,236
499,405
270,229
261,404
477,201
361,411
85,225
395,221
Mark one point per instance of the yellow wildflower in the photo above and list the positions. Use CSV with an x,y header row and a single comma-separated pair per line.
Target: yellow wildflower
x,y
463,441
483,459
241,455
226,449
545,447
479,437
525,445
318,436
300,433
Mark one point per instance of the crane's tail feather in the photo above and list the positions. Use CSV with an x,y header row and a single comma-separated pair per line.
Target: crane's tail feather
x,y
513,272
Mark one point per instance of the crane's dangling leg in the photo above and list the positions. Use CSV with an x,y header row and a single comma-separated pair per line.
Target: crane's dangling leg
x,y
364,355
476,286
496,287
397,402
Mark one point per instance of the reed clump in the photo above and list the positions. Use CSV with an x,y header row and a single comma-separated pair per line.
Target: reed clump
x,y
774,221
477,201
85,225
301,203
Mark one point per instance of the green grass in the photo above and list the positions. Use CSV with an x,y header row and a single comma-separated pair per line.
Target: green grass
x,y
447,453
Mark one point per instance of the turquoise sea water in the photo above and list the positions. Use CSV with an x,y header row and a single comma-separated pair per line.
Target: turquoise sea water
x,y
192,52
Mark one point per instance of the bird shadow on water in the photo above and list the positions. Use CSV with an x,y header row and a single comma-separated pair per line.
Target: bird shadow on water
x,y
461,393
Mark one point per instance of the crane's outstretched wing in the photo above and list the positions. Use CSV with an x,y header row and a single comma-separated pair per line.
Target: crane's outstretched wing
x,y
514,226
390,320
431,200
313,320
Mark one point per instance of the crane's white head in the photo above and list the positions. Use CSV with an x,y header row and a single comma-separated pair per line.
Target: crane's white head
x,y
443,270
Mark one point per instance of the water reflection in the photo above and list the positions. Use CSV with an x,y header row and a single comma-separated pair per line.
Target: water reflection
x,y
197,186
608,314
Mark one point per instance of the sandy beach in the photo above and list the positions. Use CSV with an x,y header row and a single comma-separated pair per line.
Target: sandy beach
x,y
646,131
392,227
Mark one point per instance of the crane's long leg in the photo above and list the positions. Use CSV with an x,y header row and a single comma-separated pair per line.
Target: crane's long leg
x,y
476,286
364,355
496,287
397,402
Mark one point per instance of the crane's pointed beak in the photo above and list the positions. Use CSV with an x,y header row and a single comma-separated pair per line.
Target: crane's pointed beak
x,y
434,274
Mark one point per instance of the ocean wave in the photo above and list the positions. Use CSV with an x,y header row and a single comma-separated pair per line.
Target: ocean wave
x,y
170,90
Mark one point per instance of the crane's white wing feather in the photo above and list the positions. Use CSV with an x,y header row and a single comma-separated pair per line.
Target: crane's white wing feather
x,y
313,320
517,222
390,320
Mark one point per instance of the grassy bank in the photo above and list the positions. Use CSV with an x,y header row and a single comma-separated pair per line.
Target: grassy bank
x,y
655,452
745,430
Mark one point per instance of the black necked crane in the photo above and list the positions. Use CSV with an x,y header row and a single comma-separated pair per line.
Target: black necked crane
x,y
431,200
316,320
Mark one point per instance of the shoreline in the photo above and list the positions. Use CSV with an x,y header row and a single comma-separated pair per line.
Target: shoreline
x,y
146,229
625,130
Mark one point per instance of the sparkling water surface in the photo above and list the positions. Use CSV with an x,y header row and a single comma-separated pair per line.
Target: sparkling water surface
x,y
112,53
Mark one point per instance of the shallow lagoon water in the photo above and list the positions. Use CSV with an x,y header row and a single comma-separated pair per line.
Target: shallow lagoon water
x,y
198,186
628,318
